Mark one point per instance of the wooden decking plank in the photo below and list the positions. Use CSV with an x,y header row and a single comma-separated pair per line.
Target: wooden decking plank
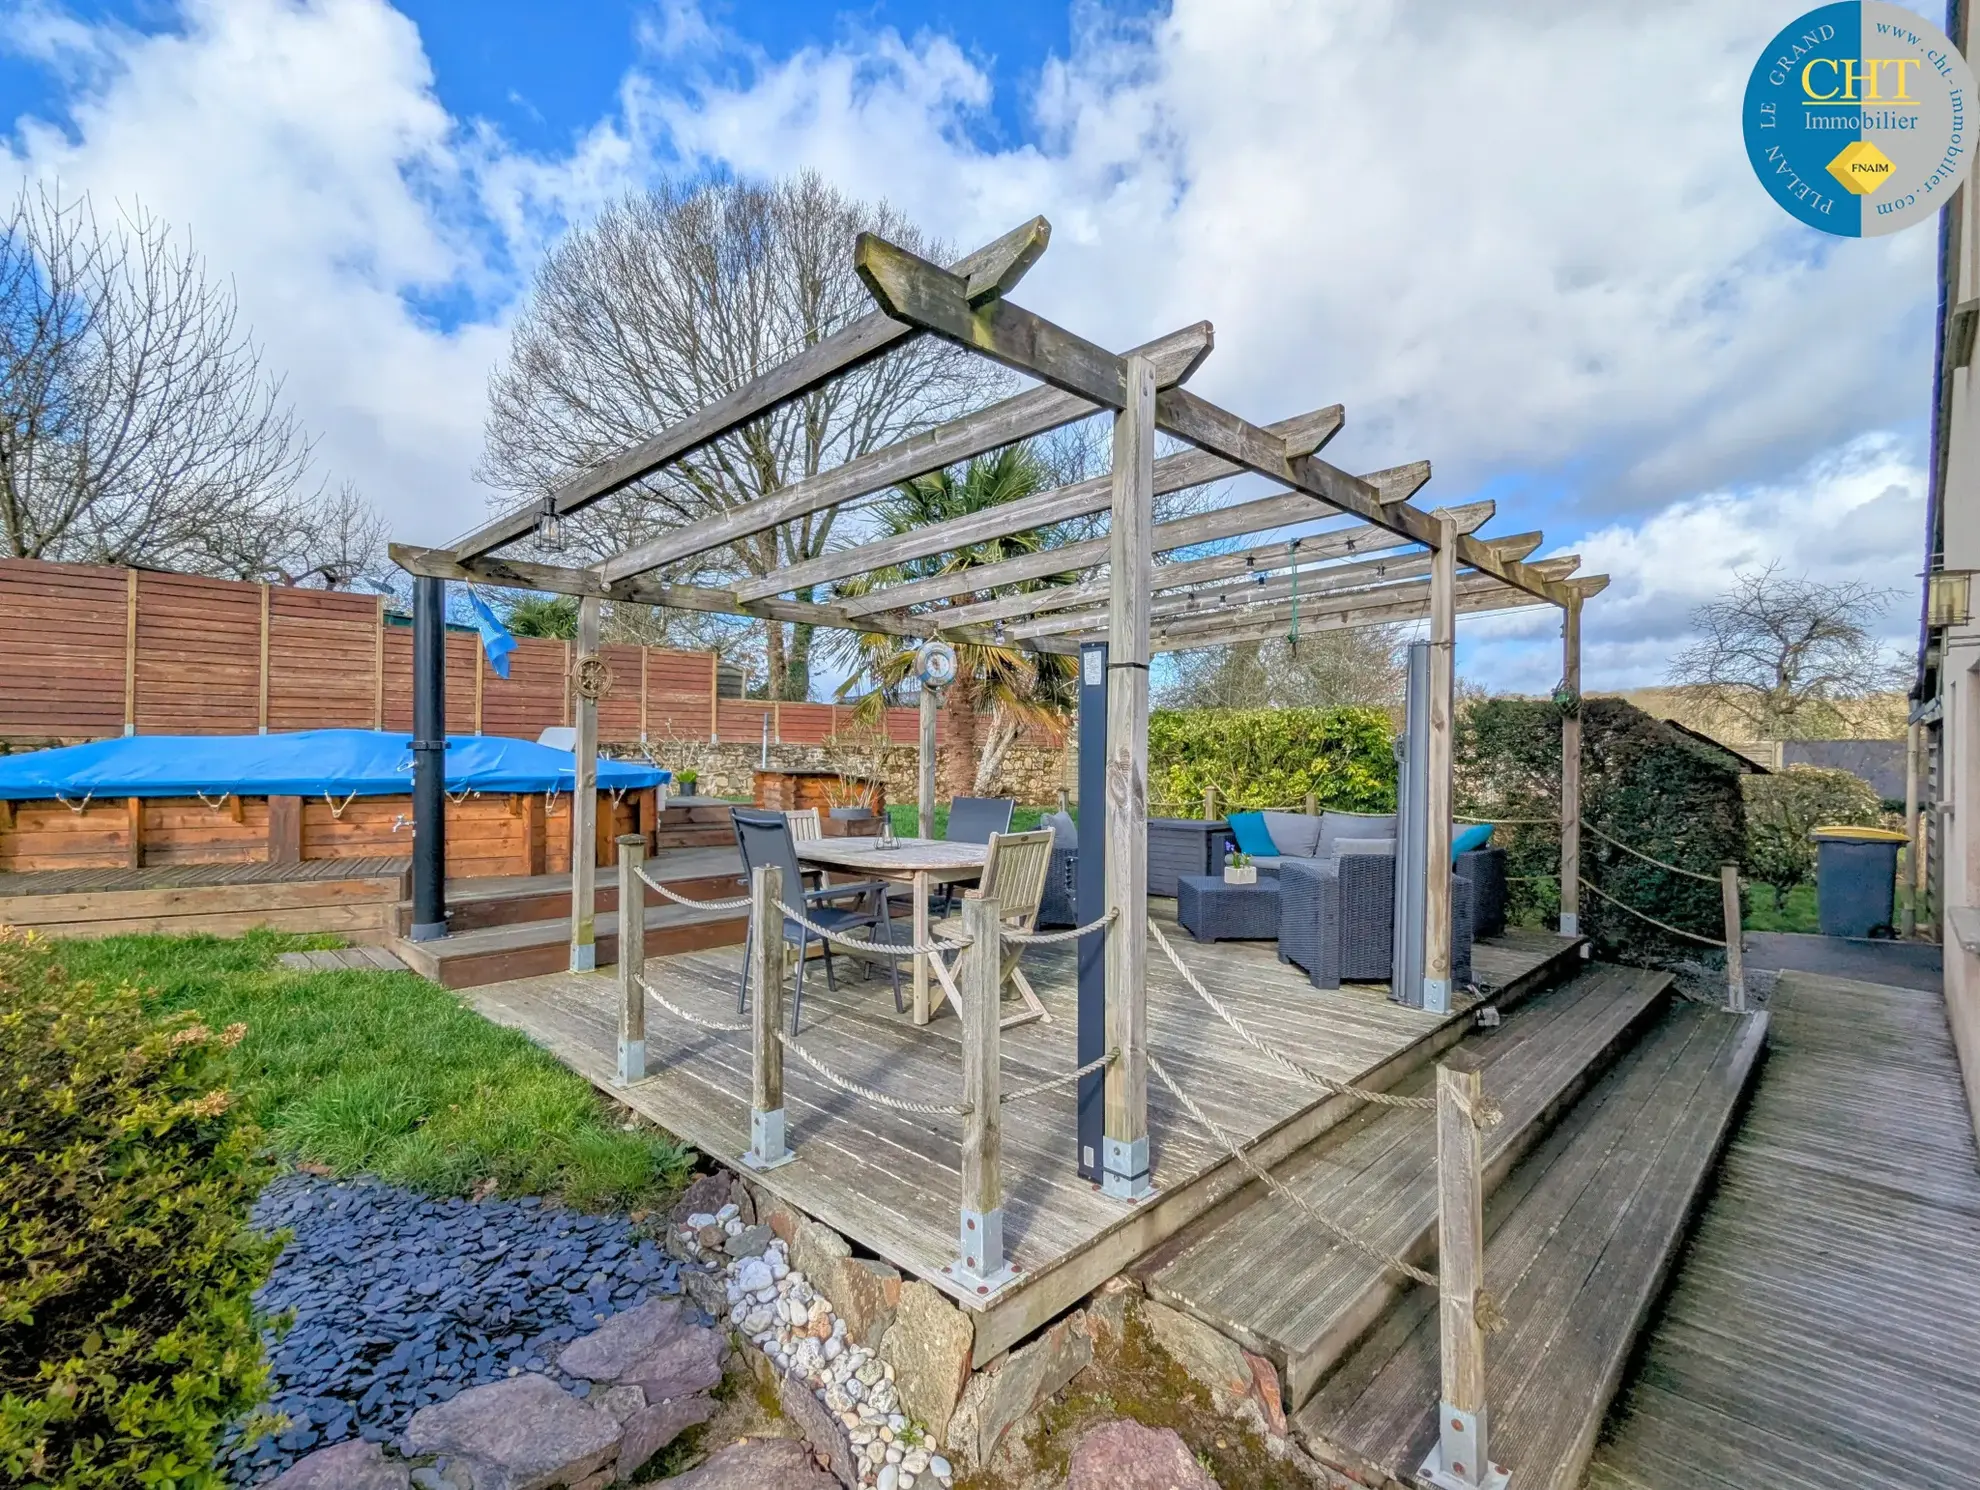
x,y
1263,1276
890,1180
1575,1262
1822,1330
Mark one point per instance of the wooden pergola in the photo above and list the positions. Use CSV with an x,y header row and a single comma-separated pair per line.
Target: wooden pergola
x,y
1390,561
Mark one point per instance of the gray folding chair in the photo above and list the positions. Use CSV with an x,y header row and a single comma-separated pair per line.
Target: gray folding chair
x,y
975,820
764,840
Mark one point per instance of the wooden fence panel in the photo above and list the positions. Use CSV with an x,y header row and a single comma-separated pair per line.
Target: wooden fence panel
x,y
198,655
679,695
740,721
804,724
618,710
322,652
531,699
64,651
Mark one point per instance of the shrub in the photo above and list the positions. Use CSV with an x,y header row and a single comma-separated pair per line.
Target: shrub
x,y
1784,808
1273,757
1642,782
127,1337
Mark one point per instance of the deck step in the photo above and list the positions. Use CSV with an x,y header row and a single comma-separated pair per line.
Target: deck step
x,y
524,949
1581,1235
1262,1275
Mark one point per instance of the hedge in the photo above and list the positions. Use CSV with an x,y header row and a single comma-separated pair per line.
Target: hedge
x,y
1259,758
127,1335
1642,782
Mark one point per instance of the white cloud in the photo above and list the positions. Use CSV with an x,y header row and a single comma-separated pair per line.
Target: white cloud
x,y
1854,514
1520,239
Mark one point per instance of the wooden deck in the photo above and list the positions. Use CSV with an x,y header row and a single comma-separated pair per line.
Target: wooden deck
x,y
356,898
1824,1329
890,1180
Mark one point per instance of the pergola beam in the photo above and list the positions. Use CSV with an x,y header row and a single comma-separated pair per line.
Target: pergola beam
x,y
1257,516
991,271
1081,499
1484,601
912,289
1033,412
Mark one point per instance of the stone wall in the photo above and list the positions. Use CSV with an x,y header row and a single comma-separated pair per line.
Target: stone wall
x,y
1033,774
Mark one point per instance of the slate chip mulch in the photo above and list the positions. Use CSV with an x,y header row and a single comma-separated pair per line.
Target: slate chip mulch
x,y
401,1301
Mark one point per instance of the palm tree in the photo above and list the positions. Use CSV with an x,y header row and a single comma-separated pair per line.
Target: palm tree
x,y
1018,687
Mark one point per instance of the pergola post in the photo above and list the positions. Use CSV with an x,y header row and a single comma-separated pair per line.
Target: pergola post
x,y
1130,557
981,1264
925,792
1437,798
584,799
632,959
429,747
1571,768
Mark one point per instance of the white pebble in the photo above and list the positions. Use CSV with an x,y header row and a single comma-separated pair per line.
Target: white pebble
x,y
728,1212
939,1466
890,1478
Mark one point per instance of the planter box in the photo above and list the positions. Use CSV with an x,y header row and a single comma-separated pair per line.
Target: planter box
x,y
1248,875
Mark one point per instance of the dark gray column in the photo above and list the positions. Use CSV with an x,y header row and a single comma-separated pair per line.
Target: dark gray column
x,y
429,917
1092,903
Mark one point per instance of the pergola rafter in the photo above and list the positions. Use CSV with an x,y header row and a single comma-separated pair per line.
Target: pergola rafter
x,y
1110,601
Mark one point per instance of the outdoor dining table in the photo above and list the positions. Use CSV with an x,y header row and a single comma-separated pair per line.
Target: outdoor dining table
x,y
919,862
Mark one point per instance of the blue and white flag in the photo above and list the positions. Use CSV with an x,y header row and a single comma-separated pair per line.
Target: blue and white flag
x,y
496,643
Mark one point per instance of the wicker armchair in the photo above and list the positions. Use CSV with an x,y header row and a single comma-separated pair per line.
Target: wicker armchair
x,y
1337,919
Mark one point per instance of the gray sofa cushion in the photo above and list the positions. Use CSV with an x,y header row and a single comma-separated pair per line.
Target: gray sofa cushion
x,y
1335,826
1343,847
1294,834
1065,832
1268,863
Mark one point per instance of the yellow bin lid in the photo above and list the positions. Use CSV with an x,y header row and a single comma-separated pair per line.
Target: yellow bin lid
x,y
1847,834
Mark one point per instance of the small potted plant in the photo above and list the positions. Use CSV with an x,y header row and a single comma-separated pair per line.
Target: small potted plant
x,y
1238,868
686,780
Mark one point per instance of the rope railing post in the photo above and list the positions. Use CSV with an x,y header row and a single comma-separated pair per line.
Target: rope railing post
x,y
1735,953
1209,804
632,959
980,1264
1311,806
767,1147
1461,1459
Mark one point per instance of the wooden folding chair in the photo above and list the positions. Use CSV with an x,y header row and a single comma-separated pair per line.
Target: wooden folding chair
x,y
1014,874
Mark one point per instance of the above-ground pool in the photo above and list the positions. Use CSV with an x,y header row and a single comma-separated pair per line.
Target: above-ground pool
x,y
316,794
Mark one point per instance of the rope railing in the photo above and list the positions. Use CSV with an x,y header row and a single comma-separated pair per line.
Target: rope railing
x,y
1278,1058
866,1093
1707,941
1710,879
1385,1259
1046,938
1058,1081
857,944
738,903
720,1027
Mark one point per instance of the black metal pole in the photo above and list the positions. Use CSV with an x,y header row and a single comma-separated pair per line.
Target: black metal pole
x,y
429,916
1092,898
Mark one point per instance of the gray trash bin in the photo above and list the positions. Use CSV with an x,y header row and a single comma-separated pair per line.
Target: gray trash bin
x,y
1855,879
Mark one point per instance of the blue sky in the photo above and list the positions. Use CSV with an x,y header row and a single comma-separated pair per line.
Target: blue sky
x,y
1575,300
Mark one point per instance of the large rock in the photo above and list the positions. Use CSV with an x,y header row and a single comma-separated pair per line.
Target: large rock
x,y
651,1429
867,1298
1128,1456
1107,1311
706,1195
997,1400
656,1347
762,1464
820,1427
929,1348
526,1433
351,1465
1216,1362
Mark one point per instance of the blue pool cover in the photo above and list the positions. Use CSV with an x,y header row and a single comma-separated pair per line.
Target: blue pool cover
x,y
371,763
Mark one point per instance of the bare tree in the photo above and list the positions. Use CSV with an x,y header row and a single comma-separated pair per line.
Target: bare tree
x,y
1782,653
1328,669
670,299
137,425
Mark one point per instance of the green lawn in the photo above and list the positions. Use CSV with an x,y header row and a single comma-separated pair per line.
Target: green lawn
x,y
387,1074
1798,914
907,818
